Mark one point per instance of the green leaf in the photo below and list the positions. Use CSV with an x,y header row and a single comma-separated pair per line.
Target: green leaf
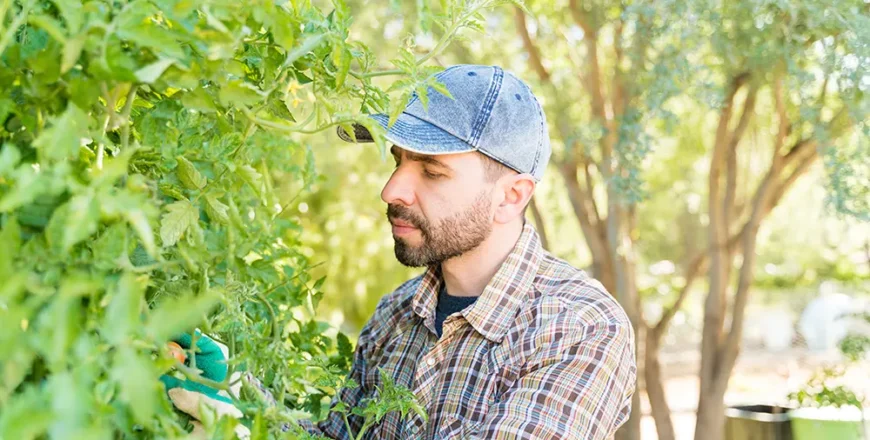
x,y
216,210
135,211
81,220
49,25
341,58
398,107
151,72
10,244
64,325
139,389
71,52
9,159
308,45
72,12
423,95
63,138
199,99
170,190
69,404
139,221
134,25
27,416
440,88
178,218
253,178
345,348
188,174
239,93
28,186
180,314
123,313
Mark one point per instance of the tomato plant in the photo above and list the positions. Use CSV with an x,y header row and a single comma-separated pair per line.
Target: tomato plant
x,y
141,143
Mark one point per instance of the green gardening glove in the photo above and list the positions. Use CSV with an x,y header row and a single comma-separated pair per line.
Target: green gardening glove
x,y
189,397
209,358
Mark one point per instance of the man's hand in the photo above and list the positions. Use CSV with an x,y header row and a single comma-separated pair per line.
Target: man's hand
x,y
191,397
191,402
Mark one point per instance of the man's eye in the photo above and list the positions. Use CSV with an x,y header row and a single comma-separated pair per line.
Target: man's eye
x,y
432,175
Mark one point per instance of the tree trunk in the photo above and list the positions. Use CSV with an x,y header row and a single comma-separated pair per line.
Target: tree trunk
x,y
654,386
619,223
710,424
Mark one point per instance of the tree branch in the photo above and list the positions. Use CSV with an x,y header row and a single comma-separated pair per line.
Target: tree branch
x,y
729,207
587,175
592,229
782,123
593,77
534,53
696,267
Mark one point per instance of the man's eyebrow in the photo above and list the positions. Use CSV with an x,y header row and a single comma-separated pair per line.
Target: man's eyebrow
x,y
425,158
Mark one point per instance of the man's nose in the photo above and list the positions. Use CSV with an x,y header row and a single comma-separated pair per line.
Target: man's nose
x,y
399,189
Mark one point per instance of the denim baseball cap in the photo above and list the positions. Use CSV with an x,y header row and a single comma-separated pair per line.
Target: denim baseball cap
x,y
492,111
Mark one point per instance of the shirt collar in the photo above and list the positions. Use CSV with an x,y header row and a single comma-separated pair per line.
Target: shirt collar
x,y
494,311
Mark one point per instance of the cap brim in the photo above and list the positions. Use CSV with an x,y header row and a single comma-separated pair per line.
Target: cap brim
x,y
411,133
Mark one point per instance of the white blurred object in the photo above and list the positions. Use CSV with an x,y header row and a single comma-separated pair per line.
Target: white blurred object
x,y
778,329
825,321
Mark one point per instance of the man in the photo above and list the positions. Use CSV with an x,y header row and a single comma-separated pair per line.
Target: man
x,y
498,339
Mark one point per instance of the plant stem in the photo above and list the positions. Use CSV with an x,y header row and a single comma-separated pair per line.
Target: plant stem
x,y
125,116
374,74
365,427
276,331
193,374
347,423
194,338
110,111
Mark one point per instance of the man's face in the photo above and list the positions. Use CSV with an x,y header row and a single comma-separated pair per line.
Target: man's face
x,y
440,206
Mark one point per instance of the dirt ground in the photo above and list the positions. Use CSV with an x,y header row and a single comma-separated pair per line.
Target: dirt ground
x,y
760,377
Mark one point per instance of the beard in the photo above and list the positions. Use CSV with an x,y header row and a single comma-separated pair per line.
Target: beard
x,y
448,237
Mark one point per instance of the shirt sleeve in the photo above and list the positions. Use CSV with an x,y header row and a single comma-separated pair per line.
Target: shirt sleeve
x,y
580,390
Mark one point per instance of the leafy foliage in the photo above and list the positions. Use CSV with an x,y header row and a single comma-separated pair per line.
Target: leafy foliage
x,y
141,141
826,387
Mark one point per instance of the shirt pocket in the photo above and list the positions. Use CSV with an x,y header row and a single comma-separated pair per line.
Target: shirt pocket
x,y
502,373
454,426
502,378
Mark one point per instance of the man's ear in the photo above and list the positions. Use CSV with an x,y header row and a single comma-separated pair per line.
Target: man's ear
x,y
518,190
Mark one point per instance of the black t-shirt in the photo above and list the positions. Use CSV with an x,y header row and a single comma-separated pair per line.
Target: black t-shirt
x,y
448,305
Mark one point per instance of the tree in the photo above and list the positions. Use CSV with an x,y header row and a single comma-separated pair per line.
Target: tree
x,y
798,55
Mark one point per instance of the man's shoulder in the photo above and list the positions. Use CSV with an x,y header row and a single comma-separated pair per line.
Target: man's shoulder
x,y
392,308
562,288
399,300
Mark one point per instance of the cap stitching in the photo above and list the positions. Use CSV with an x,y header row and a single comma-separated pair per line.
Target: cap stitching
x,y
540,133
488,105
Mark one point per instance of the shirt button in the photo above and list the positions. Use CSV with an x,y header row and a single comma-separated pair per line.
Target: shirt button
x,y
430,362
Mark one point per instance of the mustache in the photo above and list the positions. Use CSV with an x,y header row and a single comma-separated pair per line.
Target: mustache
x,y
405,214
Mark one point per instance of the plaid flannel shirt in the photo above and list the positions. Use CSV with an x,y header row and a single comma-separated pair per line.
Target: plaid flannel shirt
x,y
544,353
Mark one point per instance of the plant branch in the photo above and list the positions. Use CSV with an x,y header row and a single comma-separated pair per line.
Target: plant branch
x,y
194,376
125,116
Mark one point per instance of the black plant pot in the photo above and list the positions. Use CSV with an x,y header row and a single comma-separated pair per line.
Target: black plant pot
x,y
757,422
